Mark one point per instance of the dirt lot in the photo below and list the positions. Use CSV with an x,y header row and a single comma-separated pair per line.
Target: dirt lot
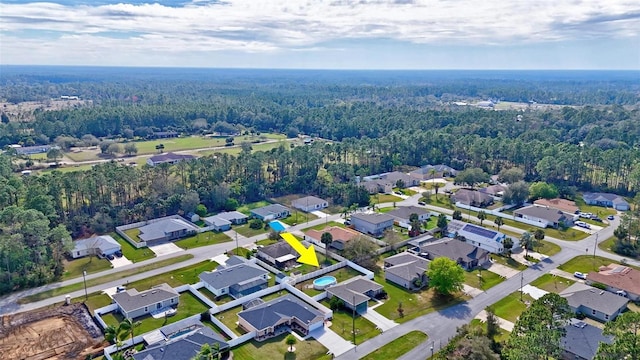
x,y
24,111
64,332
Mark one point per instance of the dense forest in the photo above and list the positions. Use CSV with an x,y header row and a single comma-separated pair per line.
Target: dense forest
x,y
372,122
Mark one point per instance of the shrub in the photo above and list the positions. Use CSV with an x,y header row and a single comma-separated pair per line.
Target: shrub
x,y
256,224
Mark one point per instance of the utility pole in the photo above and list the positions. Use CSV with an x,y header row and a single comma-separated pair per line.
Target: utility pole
x,y
84,278
353,322
595,246
521,284
237,245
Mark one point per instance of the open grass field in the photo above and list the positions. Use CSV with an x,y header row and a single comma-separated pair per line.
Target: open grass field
x,y
131,252
510,307
246,231
548,248
328,224
486,281
276,348
235,150
79,155
102,279
552,283
203,239
414,304
342,324
384,198
298,217
94,300
90,264
246,208
185,275
397,347
586,264
440,201
188,305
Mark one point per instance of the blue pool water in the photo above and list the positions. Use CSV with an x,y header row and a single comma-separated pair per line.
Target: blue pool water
x,y
323,282
277,225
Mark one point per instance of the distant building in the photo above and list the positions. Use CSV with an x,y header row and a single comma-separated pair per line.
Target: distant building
x,y
309,203
102,246
271,212
340,236
168,158
428,172
377,186
564,205
607,200
165,134
581,340
494,190
166,230
133,304
280,255
548,217
235,217
32,150
176,346
403,213
374,224
490,240
619,279
472,198
217,223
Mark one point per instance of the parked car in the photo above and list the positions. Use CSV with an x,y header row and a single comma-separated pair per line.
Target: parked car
x,y
118,253
583,224
595,218
121,288
580,275
422,203
586,215
110,257
347,222
610,217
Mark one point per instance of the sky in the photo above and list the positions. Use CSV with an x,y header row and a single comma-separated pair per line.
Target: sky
x,y
324,34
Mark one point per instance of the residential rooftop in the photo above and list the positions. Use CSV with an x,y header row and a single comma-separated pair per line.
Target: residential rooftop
x,y
617,276
549,214
132,299
270,313
308,201
372,218
593,298
227,276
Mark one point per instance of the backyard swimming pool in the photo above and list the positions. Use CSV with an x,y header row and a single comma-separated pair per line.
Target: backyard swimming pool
x,y
324,282
277,226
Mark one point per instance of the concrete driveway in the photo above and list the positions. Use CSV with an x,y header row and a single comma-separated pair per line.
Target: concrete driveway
x,y
165,249
533,291
502,270
120,261
332,341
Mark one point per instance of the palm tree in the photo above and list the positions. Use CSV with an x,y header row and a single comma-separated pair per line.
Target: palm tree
x,y
526,241
539,236
498,221
127,325
326,239
110,333
482,216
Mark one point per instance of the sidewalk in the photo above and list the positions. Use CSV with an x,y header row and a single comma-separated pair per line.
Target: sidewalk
x,y
380,321
504,324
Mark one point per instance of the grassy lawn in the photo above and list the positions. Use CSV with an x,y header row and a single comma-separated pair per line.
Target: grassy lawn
x,y
266,242
246,231
602,212
298,217
552,283
90,264
385,210
341,275
133,234
305,268
607,244
568,234
185,275
222,300
397,347
242,252
102,279
489,279
548,248
203,239
276,348
230,318
246,208
94,301
188,305
328,224
510,307
586,264
235,150
415,304
507,261
441,201
176,144
131,252
384,198
83,155
502,336
342,324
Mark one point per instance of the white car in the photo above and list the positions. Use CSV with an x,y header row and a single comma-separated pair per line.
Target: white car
x,y
585,215
583,224
580,275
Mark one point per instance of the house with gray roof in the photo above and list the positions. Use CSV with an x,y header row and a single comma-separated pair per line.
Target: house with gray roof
x,y
237,277
235,217
581,340
476,235
433,171
280,255
310,203
271,212
375,186
373,224
102,246
400,180
607,200
549,217
465,254
217,223
183,347
472,198
593,302
279,316
403,213
166,230
355,293
407,270
31,150
168,158
133,304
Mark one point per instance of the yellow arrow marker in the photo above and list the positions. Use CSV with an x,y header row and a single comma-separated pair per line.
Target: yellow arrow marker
x,y
307,256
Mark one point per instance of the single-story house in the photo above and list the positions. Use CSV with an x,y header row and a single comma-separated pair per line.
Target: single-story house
x,y
476,235
133,304
546,216
472,198
31,150
237,278
165,134
593,302
355,293
421,241
166,230
402,213
168,158
398,178
271,212
193,217
217,223
564,205
607,200
374,224
309,203
465,254
581,340
182,347
428,172
378,186
280,255
494,190
407,270
235,217
340,236
279,316
618,279
98,245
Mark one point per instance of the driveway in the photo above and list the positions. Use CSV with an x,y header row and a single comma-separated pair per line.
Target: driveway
x,y
320,214
332,341
120,261
533,291
380,321
504,324
502,270
165,249
593,229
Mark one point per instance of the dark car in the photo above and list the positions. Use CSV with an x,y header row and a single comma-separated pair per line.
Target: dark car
x,y
110,257
347,222
118,253
422,203
610,217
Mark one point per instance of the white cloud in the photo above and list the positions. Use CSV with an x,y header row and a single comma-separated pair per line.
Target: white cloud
x,y
271,25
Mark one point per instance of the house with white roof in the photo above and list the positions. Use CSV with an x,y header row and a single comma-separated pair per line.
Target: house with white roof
x,y
237,277
478,236
607,200
133,304
310,203
98,245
